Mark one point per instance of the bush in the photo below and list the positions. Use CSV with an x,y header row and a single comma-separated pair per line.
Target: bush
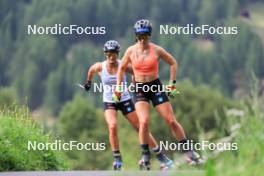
x,y
248,160
15,132
79,120
7,97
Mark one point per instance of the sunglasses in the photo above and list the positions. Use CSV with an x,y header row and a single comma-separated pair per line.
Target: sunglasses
x,y
142,36
110,53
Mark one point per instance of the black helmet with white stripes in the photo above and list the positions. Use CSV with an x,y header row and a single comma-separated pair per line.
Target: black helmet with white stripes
x,y
143,26
112,46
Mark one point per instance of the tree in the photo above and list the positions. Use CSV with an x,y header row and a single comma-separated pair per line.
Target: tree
x,y
80,121
198,109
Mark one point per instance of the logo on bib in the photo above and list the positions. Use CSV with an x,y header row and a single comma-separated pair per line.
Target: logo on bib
x,y
129,109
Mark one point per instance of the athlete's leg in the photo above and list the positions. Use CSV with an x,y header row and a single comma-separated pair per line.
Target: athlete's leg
x,y
111,119
142,110
133,120
166,112
165,162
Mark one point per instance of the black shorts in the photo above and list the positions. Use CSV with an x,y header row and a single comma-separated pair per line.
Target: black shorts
x,y
125,107
157,96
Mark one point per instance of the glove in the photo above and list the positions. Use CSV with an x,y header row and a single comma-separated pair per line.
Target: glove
x,y
87,85
172,89
116,96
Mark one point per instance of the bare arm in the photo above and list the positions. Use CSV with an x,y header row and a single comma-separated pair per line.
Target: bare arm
x,y
124,65
95,68
130,71
168,58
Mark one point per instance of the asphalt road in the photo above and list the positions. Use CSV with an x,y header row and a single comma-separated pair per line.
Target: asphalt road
x,y
106,173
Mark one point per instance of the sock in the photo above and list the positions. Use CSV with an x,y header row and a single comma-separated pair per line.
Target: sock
x,y
145,149
158,153
117,155
184,141
156,150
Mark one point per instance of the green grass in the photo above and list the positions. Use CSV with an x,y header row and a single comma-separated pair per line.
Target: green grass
x,y
16,130
256,21
257,14
248,160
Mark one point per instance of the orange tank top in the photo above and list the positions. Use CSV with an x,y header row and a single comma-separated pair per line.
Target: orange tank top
x,y
145,66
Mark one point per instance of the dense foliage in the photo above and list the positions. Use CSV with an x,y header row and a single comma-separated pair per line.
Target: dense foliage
x,y
44,68
16,132
42,71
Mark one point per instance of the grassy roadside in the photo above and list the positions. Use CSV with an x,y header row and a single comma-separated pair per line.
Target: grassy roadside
x,y
248,160
17,128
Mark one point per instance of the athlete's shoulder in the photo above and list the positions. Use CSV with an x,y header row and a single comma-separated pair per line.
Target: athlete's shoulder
x,y
154,45
98,66
158,48
130,48
129,51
